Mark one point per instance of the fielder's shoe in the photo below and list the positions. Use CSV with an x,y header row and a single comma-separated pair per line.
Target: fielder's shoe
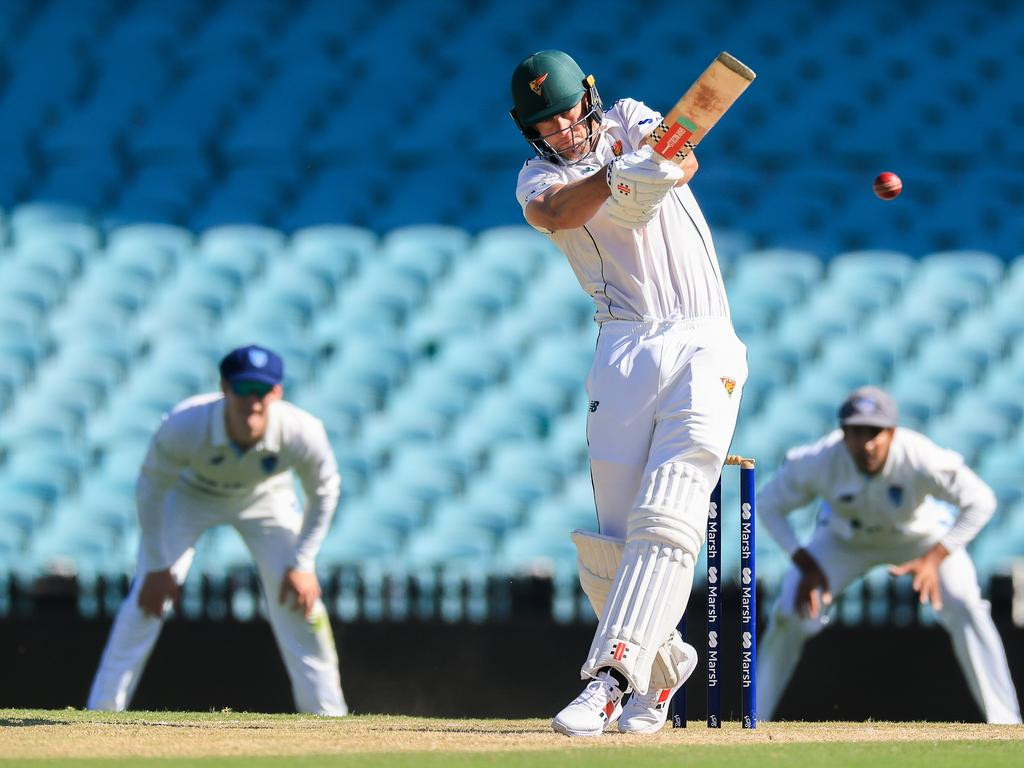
x,y
592,711
647,713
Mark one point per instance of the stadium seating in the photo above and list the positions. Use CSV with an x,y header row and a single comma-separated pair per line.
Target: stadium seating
x,y
180,178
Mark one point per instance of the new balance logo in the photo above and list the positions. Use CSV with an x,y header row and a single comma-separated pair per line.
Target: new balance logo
x,y
593,405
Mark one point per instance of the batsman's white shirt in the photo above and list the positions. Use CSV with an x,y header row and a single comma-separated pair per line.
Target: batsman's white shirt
x,y
667,270
191,450
894,502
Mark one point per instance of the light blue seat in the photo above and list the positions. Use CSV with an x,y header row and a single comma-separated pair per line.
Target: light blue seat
x,y
481,507
22,508
801,268
968,433
400,509
39,420
357,539
870,271
64,260
30,217
978,267
36,285
918,398
951,361
164,244
523,471
493,419
949,293
511,253
473,360
525,551
434,547
336,253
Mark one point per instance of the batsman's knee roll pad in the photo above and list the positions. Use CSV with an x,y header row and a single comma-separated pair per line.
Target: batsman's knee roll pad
x,y
672,507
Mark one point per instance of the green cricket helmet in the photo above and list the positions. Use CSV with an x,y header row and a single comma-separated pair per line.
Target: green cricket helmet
x,y
546,84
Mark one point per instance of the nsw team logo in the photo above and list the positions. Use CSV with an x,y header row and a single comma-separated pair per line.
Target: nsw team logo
x,y
729,384
537,83
258,357
269,463
896,495
617,147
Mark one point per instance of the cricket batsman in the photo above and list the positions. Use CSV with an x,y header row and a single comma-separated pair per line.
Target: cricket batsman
x,y
665,383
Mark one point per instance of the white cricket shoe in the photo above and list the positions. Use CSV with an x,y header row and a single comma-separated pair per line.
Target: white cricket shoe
x,y
592,711
646,713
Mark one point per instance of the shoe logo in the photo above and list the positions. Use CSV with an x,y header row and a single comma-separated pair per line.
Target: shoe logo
x,y
663,696
608,709
593,405
729,384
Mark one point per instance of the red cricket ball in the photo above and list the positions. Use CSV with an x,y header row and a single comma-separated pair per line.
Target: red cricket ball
x,y
888,185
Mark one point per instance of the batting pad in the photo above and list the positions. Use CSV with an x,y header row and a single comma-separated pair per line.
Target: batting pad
x,y
598,560
665,532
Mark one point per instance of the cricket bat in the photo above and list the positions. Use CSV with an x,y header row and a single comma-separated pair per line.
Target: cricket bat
x,y
700,108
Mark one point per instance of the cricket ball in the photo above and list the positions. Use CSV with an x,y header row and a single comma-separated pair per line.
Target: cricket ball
x,y
888,185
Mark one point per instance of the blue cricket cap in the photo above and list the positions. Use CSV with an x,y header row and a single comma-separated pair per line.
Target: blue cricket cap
x,y
252,363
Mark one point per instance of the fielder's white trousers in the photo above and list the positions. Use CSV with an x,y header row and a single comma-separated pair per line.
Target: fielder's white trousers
x,y
660,393
965,615
269,525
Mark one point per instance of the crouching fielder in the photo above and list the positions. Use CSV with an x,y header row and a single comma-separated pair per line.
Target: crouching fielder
x,y
227,459
664,386
879,484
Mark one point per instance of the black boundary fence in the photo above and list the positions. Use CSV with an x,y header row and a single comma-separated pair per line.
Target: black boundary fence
x,y
435,645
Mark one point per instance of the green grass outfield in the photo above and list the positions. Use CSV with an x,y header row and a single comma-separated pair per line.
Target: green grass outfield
x,y
73,737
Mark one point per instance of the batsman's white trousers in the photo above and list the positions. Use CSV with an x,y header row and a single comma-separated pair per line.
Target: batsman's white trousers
x,y
269,525
965,615
660,393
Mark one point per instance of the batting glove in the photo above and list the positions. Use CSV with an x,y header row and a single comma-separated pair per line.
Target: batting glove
x,y
640,179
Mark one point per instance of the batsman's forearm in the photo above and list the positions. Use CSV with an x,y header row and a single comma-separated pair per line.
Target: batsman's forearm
x,y
571,206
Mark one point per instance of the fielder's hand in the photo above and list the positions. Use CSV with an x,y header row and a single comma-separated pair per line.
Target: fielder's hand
x,y
303,586
157,588
812,592
926,574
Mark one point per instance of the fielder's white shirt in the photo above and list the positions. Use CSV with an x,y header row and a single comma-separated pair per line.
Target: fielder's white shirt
x,y
870,508
191,450
666,270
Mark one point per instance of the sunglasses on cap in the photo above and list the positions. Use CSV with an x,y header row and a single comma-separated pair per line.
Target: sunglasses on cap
x,y
245,388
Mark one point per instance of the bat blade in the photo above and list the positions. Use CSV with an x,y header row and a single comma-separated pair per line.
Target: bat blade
x,y
700,108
